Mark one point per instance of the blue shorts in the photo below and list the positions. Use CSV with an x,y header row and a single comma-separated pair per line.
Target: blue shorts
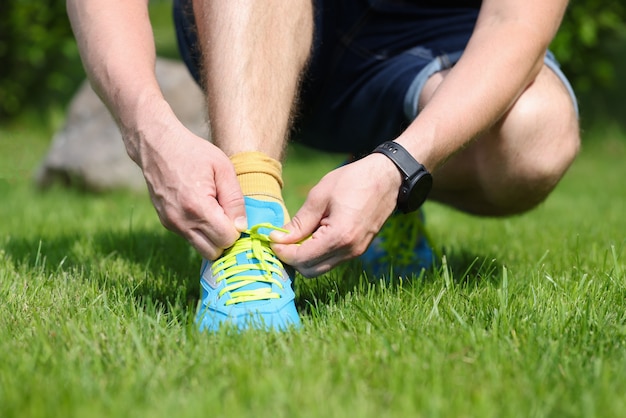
x,y
370,61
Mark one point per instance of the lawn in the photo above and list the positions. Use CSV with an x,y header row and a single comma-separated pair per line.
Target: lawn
x,y
524,317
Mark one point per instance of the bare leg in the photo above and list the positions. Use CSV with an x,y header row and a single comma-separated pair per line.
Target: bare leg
x,y
253,55
514,165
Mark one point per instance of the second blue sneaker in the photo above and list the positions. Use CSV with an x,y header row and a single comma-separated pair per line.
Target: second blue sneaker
x,y
401,248
248,286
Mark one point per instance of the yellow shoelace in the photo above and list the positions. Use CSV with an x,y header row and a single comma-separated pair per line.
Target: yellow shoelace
x,y
261,264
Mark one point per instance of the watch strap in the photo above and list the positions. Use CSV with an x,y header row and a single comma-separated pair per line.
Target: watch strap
x,y
412,173
400,157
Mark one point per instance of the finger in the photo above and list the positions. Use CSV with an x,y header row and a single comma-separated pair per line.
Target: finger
x,y
303,224
215,233
314,256
290,254
203,244
230,197
217,226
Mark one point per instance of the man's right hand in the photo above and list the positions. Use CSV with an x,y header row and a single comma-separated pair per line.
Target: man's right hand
x,y
193,187
192,183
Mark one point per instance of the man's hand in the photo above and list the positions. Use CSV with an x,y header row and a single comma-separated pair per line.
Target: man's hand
x,y
341,215
195,191
192,183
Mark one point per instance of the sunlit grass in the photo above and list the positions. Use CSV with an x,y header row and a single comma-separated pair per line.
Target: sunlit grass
x,y
523,317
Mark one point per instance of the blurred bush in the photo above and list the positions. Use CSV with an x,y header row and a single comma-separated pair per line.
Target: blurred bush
x,y
40,66
38,55
585,43
591,46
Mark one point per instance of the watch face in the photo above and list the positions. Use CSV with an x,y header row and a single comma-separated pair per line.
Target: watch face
x,y
420,186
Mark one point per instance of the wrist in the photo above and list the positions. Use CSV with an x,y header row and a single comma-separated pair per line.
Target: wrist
x,y
145,124
416,181
387,170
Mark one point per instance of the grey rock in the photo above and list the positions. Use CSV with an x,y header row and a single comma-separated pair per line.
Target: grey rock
x,y
88,152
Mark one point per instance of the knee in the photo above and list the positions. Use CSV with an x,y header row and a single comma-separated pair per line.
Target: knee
x,y
552,136
515,165
548,140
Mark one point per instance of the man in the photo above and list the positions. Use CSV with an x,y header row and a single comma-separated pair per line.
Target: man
x,y
464,88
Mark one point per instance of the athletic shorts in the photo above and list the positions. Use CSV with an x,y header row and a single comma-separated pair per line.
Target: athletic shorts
x,y
369,63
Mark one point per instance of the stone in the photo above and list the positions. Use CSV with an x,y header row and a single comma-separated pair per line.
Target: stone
x,y
88,151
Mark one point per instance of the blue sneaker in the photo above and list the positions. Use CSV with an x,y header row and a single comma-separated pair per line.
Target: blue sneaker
x,y
401,248
248,286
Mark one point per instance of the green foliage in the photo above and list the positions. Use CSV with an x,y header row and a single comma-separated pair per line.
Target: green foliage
x,y
586,41
40,63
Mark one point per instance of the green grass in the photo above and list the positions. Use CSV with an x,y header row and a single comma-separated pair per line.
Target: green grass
x,y
526,316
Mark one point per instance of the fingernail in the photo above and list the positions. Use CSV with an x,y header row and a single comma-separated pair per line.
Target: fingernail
x,y
276,235
241,223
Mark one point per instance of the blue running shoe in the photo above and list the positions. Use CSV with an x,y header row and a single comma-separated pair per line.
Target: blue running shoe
x,y
248,286
401,248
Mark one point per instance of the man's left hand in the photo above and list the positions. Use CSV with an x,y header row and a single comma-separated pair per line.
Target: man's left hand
x,y
340,217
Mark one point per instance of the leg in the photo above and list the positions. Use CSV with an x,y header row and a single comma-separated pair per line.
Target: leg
x,y
514,166
252,57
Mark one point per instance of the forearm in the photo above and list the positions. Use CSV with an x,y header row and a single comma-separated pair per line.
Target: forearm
x,y
117,48
503,57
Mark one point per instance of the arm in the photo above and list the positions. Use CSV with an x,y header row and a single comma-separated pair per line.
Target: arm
x,y
503,57
117,48
190,180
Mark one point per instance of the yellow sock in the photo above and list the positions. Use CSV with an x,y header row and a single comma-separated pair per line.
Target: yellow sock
x,y
260,177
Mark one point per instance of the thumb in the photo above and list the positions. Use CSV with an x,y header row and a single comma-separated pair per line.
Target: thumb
x,y
302,224
230,198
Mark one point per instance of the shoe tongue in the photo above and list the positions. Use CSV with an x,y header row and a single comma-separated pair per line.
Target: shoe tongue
x,y
262,211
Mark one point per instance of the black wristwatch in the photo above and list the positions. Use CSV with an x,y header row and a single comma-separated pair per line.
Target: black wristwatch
x,y
416,180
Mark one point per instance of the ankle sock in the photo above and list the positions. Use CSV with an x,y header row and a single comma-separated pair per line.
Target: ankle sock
x,y
260,177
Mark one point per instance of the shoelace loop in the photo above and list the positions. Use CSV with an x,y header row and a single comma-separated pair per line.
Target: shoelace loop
x,y
259,267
